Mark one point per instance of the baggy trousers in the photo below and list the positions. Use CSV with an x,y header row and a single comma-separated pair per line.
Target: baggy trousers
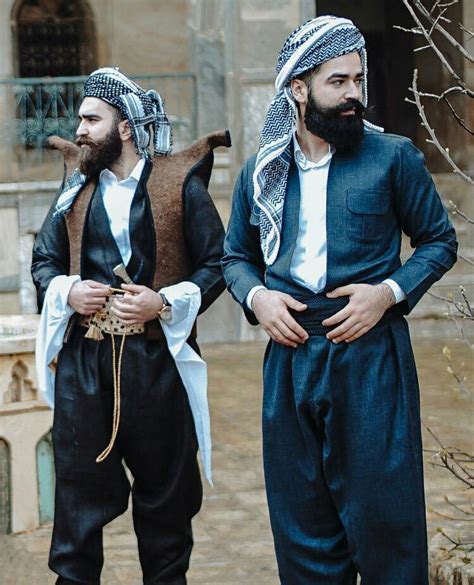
x,y
343,460
157,441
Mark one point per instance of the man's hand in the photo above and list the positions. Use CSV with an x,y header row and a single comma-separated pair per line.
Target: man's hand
x,y
271,309
138,305
88,296
367,304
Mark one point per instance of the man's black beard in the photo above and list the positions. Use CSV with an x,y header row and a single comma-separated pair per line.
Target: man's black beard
x,y
344,133
100,155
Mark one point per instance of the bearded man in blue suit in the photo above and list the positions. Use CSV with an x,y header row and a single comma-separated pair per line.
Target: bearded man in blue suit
x,y
313,255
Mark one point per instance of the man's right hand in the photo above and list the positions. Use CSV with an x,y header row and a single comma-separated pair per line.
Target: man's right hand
x,y
88,296
271,309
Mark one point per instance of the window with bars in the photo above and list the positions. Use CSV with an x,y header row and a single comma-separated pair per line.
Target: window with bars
x,y
53,39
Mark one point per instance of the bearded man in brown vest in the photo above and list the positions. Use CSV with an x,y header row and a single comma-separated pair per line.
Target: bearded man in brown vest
x,y
129,385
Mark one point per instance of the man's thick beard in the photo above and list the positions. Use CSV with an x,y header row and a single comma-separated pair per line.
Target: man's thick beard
x,y
344,133
99,155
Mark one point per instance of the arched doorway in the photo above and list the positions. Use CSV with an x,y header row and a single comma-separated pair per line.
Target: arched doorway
x,y
5,488
46,478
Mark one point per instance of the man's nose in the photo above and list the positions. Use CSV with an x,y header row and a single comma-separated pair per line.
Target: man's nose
x,y
81,129
353,91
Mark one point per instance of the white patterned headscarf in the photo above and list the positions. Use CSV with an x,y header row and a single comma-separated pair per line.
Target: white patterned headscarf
x,y
144,111
310,45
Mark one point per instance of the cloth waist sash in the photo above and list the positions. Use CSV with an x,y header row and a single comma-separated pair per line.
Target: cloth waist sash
x,y
320,307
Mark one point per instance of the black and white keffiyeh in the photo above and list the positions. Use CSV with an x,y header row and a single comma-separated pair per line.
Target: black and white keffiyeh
x,y
310,45
141,108
144,111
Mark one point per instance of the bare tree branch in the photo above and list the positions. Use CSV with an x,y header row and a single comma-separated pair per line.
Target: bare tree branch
x,y
434,140
435,48
446,517
449,457
455,209
414,30
466,300
466,30
465,258
457,543
450,106
467,512
423,48
465,311
435,25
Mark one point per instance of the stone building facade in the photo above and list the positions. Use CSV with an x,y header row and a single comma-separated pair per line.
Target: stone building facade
x,y
213,60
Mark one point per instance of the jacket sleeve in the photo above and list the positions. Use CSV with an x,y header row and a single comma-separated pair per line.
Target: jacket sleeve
x,y
50,253
424,219
243,263
204,235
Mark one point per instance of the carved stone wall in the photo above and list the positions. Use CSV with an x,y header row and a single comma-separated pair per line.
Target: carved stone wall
x,y
21,387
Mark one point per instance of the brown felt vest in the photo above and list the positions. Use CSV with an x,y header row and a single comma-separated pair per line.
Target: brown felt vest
x,y
165,185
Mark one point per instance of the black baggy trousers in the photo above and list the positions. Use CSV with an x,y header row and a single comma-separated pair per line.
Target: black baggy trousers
x,y
156,440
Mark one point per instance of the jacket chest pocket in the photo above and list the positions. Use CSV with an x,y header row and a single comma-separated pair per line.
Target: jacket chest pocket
x,y
367,214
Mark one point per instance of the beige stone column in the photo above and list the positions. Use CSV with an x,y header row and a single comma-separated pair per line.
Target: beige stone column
x,y
254,33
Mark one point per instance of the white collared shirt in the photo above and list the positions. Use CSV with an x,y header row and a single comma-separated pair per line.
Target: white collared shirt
x,y
309,262
117,196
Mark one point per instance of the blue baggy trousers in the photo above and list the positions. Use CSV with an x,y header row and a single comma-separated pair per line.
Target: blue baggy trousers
x,y
343,460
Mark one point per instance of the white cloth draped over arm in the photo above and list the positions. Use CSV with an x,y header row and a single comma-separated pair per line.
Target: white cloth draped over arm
x,y
185,300
52,326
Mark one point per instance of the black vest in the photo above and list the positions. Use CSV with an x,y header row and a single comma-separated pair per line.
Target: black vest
x,y
101,253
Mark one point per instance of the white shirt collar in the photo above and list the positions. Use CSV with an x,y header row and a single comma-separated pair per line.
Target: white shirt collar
x,y
135,175
303,162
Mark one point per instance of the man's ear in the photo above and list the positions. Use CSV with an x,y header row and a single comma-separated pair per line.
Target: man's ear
x,y
299,90
125,131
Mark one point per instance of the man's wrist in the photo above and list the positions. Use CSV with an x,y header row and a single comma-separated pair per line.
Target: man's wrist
x,y
164,313
387,294
253,291
396,289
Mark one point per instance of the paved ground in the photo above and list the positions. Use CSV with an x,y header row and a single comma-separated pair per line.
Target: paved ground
x,y
233,540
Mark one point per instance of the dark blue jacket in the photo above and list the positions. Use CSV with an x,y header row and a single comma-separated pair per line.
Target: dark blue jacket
x,y
373,195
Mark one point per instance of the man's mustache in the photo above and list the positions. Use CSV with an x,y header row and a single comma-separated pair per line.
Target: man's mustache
x,y
85,142
351,104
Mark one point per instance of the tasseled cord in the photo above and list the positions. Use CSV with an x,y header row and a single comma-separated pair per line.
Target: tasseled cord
x,y
94,332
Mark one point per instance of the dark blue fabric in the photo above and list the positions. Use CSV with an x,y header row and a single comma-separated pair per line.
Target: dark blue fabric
x,y
341,423
320,307
372,196
343,460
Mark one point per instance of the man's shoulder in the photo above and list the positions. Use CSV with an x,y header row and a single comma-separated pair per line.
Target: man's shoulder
x,y
249,165
246,172
386,141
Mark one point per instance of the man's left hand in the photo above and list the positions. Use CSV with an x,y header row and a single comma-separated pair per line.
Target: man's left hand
x,y
138,305
367,304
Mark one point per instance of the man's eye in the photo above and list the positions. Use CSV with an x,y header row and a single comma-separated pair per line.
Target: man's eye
x,y
337,83
359,81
